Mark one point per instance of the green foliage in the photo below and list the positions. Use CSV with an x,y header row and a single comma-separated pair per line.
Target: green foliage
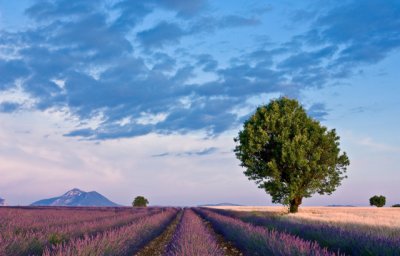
x,y
56,238
289,154
378,201
140,201
396,205
35,247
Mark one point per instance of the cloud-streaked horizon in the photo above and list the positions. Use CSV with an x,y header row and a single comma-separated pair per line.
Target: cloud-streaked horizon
x,y
116,69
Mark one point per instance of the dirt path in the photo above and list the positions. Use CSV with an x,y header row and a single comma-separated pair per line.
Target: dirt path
x,y
228,247
158,245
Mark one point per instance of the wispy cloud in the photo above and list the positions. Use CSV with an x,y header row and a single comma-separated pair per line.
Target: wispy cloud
x,y
318,111
163,33
377,146
203,152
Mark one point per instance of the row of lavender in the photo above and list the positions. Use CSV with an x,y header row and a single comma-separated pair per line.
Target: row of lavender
x,y
125,240
21,220
193,238
254,240
30,232
348,239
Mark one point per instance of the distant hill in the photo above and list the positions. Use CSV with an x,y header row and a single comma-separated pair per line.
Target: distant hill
x,y
76,197
220,204
2,202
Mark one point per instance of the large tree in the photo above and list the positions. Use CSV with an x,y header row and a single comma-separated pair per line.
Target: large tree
x,y
289,154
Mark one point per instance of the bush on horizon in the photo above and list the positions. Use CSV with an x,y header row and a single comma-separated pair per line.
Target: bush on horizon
x,y
378,201
140,201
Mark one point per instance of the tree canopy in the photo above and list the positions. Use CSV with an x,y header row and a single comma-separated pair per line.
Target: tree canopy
x,y
140,201
289,154
378,201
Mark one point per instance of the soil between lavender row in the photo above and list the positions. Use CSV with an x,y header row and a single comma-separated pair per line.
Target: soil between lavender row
x,y
228,247
158,246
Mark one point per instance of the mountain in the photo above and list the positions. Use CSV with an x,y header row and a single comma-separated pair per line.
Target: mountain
x,y
2,202
76,197
220,204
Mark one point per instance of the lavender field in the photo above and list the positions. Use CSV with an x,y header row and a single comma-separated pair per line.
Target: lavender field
x,y
176,231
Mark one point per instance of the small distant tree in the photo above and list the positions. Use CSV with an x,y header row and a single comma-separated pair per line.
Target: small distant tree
x,y
396,205
377,201
140,201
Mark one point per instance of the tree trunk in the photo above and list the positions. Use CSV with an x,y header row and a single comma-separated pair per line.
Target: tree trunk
x,y
294,204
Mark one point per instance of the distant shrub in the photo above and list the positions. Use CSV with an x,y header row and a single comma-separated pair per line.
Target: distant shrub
x,y
140,201
396,205
378,201
35,247
55,239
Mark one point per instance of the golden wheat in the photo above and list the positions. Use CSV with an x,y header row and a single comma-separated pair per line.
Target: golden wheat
x,y
388,217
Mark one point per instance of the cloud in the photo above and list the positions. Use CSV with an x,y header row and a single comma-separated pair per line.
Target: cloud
x,y
307,59
167,33
111,131
376,146
160,35
8,107
367,30
369,143
342,37
237,21
86,132
103,69
163,62
207,62
262,9
303,15
161,155
131,13
206,151
318,111
211,24
49,9
11,71
185,9
203,152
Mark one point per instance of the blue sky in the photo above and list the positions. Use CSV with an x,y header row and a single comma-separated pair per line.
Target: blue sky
x,y
145,97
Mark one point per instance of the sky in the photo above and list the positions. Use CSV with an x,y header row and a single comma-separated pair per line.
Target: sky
x,y
145,97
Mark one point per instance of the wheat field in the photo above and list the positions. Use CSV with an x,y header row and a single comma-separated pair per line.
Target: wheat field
x,y
388,217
